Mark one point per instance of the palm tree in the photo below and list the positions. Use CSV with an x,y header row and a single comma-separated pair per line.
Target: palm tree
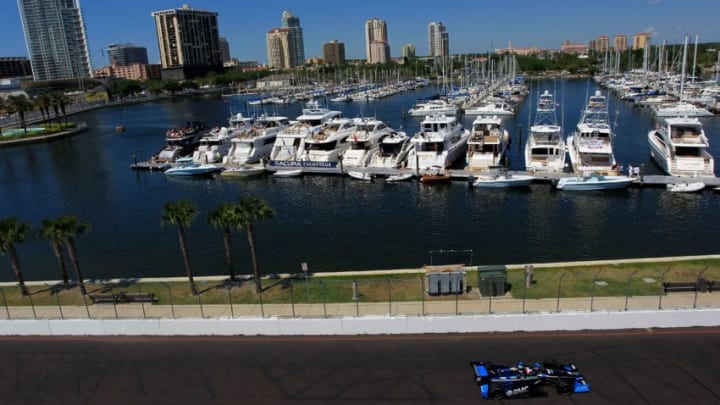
x,y
20,104
53,231
226,217
12,232
42,102
71,227
250,210
182,213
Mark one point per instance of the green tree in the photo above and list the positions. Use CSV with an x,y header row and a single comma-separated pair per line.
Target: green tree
x,y
52,230
182,213
70,226
227,218
13,232
20,104
251,210
42,102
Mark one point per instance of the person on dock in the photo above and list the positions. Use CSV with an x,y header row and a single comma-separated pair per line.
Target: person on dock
x,y
630,170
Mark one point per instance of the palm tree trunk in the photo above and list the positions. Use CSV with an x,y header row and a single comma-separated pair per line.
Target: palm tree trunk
x,y
228,253
256,268
76,264
15,263
186,260
61,259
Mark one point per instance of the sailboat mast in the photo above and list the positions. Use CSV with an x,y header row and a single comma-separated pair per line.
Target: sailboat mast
x,y
682,75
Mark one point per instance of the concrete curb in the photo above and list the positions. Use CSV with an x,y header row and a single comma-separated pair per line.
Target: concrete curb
x,y
381,325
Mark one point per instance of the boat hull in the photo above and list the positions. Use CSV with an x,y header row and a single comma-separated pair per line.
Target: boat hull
x,y
592,183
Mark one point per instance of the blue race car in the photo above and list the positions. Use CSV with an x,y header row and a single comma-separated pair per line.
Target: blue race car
x,y
498,381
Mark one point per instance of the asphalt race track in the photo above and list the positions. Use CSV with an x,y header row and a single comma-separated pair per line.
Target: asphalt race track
x,y
631,367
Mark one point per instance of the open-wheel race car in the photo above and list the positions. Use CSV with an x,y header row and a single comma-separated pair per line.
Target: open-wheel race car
x,y
498,381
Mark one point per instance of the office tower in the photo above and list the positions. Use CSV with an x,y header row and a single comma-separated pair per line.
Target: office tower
x,y
55,38
408,51
278,48
438,42
297,47
641,40
225,50
189,42
620,42
127,54
15,67
334,52
376,42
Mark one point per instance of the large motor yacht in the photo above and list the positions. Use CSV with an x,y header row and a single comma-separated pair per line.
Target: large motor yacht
x,y
216,143
364,141
253,144
288,151
590,147
487,143
680,148
545,146
180,142
392,152
441,140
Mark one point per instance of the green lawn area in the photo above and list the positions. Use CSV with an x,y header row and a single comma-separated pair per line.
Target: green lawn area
x,y
46,129
645,279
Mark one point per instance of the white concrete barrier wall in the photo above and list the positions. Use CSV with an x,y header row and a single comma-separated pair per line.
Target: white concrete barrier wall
x,y
563,321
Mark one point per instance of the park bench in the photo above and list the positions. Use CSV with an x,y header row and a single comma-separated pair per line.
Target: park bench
x,y
122,298
700,285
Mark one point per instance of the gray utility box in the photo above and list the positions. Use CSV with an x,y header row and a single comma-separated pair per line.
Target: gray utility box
x,y
445,282
492,282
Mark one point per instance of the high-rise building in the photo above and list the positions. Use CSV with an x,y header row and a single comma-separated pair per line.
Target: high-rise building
x,y
278,47
334,52
189,42
297,47
641,40
603,44
620,42
55,38
15,67
438,42
225,50
408,51
376,41
127,54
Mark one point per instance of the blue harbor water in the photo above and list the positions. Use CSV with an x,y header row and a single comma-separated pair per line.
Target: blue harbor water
x,y
335,223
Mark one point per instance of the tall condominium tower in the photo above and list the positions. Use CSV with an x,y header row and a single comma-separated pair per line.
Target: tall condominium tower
x,y
127,54
55,38
297,47
408,51
189,41
376,41
225,50
278,47
620,42
640,41
438,42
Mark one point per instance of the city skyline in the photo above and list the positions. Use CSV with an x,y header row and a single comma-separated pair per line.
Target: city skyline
x,y
475,28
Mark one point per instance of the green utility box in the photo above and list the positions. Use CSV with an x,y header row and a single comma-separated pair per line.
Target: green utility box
x,y
492,283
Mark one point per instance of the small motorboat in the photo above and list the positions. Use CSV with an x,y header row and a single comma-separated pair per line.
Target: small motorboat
x,y
502,181
686,187
120,128
594,182
193,169
243,171
435,178
399,177
361,175
288,173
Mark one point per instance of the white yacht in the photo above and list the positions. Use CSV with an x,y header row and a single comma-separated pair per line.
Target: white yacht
x,y
487,143
681,109
493,108
680,148
441,140
392,151
253,144
590,147
323,148
429,107
545,146
215,144
364,141
290,142
180,142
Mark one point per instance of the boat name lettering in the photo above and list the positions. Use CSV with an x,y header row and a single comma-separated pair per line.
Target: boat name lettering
x,y
302,163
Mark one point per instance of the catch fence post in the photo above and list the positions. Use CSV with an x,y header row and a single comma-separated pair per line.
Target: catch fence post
x,y
627,294
557,306
232,311
662,286
7,310
592,289
32,304
697,286
292,298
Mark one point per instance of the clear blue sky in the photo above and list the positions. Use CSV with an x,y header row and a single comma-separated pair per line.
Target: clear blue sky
x,y
473,25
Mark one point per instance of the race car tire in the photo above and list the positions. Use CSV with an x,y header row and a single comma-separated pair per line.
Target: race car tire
x,y
565,389
496,392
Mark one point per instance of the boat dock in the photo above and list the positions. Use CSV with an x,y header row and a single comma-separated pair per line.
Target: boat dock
x,y
457,174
